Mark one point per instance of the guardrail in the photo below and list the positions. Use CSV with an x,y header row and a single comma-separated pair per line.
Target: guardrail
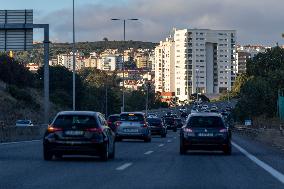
x,y
12,133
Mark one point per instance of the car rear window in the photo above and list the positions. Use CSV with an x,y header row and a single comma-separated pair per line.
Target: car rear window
x,y
205,122
113,118
23,122
68,121
169,120
154,121
131,117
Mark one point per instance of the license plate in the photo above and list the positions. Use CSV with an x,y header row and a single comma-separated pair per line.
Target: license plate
x,y
205,134
74,133
131,130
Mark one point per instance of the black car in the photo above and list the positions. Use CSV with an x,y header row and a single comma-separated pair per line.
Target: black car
x,y
169,121
178,122
79,133
157,126
206,131
111,121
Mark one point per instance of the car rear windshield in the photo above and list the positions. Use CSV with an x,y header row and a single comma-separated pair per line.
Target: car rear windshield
x,y
169,120
205,122
154,121
23,122
113,118
68,121
131,117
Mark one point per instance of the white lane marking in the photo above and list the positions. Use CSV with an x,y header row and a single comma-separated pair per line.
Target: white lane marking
x,y
169,140
260,163
124,166
161,145
149,152
29,141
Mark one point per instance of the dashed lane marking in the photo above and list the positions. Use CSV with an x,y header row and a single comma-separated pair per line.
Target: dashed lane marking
x,y
124,166
29,141
169,140
161,145
276,174
149,152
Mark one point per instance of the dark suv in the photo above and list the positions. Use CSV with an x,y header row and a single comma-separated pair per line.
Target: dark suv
x,y
169,121
157,126
79,132
206,131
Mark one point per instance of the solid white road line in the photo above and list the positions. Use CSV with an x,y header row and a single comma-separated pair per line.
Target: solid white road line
x,y
276,174
161,145
124,166
19,142
149,152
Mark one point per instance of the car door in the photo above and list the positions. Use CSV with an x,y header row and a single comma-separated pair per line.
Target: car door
x,y
108,132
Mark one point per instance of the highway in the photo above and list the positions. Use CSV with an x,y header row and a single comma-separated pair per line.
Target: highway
x,y
144,165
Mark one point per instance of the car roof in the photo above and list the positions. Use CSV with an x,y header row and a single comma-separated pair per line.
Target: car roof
x,y
90,113
205,114
141,113
114,115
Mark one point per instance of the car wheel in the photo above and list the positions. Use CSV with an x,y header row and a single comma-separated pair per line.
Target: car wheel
x,y
148,139
112,155
163,135
47,156
182,149
175,129
228,150
105,152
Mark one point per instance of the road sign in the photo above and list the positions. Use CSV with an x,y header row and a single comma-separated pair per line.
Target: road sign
x,y
19,38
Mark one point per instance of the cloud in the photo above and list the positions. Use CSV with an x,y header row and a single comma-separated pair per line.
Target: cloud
x,y
256,22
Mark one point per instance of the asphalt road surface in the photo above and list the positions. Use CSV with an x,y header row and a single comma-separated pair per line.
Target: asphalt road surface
x,y
144,165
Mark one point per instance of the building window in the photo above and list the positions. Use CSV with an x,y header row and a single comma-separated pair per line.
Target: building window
x,y
178,91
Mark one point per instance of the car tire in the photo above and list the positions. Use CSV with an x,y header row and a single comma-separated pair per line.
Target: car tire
x,y
148,139
112,155
228,150
47,156
182,149
164,135
105,152
175,129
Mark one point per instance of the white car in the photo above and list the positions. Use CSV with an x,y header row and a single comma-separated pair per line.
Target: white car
x,y
24,123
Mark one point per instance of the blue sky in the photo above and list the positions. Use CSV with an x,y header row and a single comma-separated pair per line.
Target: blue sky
x,y
256,21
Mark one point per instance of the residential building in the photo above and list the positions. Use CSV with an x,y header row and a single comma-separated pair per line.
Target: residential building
x,y
201,60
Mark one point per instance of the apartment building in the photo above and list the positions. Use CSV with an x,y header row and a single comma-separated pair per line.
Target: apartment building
x,y
66,60
164,66
201,60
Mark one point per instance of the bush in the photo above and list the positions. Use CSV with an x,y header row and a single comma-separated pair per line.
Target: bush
x,y
19,94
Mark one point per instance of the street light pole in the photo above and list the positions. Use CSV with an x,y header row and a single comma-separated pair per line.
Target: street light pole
x,y
123,88
228,82
197,89
74,59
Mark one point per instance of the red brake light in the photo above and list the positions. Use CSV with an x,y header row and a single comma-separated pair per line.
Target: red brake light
x,y
223,130
143,124
95,130
109,122
52,129
187,130
118,123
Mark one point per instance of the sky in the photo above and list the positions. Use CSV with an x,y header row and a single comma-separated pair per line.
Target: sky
x,y
256,21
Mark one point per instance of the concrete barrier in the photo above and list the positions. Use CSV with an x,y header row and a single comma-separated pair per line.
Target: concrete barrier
x,y
12,134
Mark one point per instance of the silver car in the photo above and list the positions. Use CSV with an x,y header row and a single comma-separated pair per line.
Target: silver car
x,y
133,125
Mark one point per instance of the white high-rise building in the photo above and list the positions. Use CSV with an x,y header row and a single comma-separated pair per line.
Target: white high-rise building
x,y
164,66
203,61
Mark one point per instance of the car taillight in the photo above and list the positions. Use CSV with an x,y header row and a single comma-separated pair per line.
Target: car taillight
x,y
118,123
143,124
109,122
95,130
187,130
52,129
223,130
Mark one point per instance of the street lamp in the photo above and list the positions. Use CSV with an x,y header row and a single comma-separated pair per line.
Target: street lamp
x,y
74,59
228,82
197,89
123,89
